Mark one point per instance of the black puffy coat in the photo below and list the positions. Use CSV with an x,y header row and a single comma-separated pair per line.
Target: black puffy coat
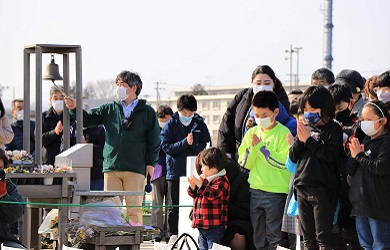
x,y
51,142
232,127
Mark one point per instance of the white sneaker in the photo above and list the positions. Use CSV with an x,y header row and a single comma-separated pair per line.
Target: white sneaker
x,y
172,239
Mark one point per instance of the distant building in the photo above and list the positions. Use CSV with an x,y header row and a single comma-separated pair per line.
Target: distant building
x,y
211,107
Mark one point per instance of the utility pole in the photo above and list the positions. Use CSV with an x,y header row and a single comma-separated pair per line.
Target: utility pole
x,y
2,88
158,97
328,29
290,51
296,50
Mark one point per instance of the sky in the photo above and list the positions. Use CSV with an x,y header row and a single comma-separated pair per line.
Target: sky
x,y
181,43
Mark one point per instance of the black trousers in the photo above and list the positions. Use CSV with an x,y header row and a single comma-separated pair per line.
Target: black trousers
x,y
173,212
316,211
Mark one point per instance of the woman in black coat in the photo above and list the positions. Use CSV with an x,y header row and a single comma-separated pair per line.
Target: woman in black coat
x,y
232,127
239,233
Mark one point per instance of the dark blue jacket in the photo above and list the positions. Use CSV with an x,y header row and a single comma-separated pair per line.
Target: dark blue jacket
x,y
17,142
175,145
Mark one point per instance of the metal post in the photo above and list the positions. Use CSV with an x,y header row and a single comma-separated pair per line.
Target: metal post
x,y
79,97
38,104
297,49
26,101
65,113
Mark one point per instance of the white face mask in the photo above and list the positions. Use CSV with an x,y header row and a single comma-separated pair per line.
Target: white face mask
x,y
368,127
121,92
264,122
384,96
58,105
258,88
162,124
19,115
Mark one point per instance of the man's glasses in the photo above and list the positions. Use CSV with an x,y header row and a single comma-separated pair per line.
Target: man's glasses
x,y
126,123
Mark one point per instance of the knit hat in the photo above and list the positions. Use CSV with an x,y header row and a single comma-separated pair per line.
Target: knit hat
x,y
352,79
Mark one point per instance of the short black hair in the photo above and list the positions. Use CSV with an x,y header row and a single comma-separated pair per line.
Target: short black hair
x,y
265,99
323,74
4,157
187,102
340,93
295,92
163,111
318,97
294,105
384,79
212,157
131,78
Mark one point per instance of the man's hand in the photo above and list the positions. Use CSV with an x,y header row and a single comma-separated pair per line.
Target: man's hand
x,y
190,139
255,140
58,128
150,171
70,102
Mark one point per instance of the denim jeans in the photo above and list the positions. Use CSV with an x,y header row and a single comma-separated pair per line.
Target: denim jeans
x,y
210,235
266,211
373,234
316,211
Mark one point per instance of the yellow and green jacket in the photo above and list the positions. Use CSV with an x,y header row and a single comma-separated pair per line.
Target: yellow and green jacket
x,y
266,161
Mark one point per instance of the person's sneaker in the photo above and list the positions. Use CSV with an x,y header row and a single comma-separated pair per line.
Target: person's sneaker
x,y
172,239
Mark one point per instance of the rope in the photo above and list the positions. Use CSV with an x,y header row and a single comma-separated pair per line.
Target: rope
x,y
86,205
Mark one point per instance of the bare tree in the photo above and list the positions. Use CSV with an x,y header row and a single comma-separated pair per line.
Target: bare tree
x,y
103,89
198,89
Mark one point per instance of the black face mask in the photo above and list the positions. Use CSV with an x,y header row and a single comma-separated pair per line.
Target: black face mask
x,y
343,116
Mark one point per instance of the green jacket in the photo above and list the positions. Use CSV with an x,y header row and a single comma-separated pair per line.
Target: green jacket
x,y
126,150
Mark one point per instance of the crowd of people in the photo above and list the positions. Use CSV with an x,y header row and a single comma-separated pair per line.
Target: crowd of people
x,y
311,162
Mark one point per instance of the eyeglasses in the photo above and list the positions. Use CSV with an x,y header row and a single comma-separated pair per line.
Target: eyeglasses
x,y
126,123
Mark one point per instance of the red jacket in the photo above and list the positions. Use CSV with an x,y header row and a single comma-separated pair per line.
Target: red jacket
x,y
211,202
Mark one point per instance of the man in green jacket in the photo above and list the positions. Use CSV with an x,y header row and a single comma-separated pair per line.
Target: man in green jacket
x,y
132,139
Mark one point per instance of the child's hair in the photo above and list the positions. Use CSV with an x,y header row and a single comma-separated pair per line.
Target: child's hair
x,y
384,79
4,157
381,110
294,105
212,157
318,97
265,69
163,111
187,102
265,99
369,87
131,78
295,92
323,74
340,93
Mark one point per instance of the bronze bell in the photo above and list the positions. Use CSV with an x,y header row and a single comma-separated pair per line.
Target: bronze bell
x,y
52,71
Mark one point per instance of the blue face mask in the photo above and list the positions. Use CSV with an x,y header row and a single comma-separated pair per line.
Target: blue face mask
x,y
312,118
185,120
